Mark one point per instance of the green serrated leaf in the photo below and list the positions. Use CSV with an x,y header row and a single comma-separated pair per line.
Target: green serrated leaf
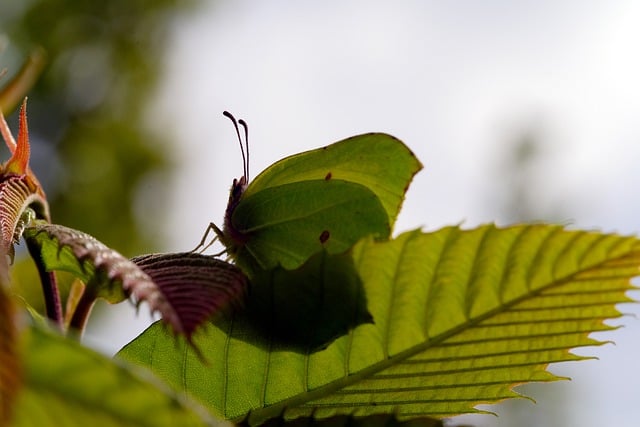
x,y
377,161
67,384
460,318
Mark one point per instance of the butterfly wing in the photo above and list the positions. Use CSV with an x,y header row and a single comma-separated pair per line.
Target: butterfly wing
x,y
287,224
378,161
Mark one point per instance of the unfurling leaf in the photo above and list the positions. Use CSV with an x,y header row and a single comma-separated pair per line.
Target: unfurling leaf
x,y
198,287
106,273
461,317
19,188
185,288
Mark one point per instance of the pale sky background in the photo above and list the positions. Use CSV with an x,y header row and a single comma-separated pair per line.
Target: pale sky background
x,y
459,82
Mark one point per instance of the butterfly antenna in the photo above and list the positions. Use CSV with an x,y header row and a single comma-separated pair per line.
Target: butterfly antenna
x,y
246,142
235,125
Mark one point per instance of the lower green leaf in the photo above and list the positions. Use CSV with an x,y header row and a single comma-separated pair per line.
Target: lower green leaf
x,y
460,317
67,384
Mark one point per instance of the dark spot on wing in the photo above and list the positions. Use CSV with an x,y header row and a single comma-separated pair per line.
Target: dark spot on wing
x,y
327,176
324,236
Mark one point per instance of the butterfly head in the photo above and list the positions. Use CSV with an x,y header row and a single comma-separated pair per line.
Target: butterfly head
x,y
239,184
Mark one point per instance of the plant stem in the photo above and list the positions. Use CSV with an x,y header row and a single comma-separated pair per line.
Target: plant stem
x,y
51,293
52,297
81,313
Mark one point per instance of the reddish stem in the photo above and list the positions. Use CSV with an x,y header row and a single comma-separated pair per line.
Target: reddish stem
x,y
81,312
51,293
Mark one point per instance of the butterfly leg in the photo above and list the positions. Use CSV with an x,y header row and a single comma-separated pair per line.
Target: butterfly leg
x,y
201,246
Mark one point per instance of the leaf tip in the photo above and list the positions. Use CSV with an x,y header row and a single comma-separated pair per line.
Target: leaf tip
x,y
19,161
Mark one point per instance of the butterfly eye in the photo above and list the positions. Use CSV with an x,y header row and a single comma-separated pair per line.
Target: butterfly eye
x,y
237,188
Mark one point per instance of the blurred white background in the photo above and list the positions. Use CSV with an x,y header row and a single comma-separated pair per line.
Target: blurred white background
x,y
469,87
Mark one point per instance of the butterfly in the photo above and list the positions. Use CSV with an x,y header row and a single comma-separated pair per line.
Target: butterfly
x,y
323,199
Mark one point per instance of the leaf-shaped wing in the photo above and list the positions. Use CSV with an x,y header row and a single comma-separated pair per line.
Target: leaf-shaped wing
x,y
197,286
287,224
67,384
378,161
461,317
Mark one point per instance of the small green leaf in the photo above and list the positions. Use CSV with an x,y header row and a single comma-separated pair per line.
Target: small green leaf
x,y
106,273
67,384
185,288
287,224
460,318
380,162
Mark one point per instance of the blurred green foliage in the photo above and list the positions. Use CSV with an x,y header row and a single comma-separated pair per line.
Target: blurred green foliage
x,y
90,147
